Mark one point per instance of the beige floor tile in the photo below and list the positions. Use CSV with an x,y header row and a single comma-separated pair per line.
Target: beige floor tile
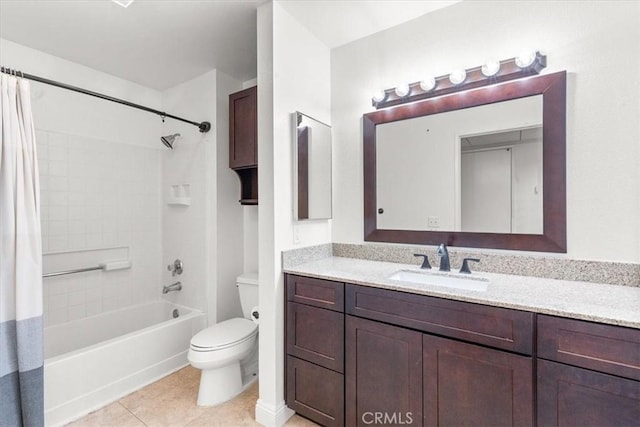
x,y
114,415
237,412
171,402
298,421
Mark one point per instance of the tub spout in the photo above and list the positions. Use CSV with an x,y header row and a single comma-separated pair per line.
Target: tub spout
x,y
172,288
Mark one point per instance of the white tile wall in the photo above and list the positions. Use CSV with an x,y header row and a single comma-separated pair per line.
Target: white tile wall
x,y
94,195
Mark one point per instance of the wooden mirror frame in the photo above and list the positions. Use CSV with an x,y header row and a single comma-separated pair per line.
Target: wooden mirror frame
x,y
552,87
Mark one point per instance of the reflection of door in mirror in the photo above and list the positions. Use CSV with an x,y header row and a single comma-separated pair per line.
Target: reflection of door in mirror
x,y
421,165
504,168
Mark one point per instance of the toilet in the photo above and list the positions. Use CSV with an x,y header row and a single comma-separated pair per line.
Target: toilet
x,y
226,352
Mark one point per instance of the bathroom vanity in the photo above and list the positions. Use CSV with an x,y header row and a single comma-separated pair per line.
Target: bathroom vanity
x,y
361,349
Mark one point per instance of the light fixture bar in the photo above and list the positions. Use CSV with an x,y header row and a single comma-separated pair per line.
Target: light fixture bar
x,y
510,69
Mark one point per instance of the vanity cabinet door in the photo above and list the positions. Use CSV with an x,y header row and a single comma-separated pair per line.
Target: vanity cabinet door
x,y
383,374
315,392
469,385
570,396
316,335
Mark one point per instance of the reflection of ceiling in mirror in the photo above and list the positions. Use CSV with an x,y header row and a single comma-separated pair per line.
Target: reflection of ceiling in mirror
x,y
511,137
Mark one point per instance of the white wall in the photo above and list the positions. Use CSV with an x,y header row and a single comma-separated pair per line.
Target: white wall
x,y
99,172
230,214
603,105
285,84
187,230
64,111
207,235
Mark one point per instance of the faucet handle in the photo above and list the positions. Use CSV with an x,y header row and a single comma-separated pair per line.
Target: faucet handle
x,y
175,268
425,262
465,265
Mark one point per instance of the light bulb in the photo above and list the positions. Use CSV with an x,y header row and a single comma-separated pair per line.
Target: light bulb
x,y
403,90
457,76
490,68
428,84
526,58
379,96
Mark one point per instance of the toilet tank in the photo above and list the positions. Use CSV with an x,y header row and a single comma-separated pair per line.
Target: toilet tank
x,y
248,288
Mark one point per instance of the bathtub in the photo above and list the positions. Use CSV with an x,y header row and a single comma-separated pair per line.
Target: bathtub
x,y
96,360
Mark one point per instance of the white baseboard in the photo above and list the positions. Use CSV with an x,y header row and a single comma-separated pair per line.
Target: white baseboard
x,y
272,416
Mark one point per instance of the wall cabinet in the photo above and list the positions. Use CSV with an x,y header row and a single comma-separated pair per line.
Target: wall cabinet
x,y
243,142
398,358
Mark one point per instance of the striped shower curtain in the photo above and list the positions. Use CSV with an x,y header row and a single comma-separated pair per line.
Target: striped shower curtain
x,y
21,341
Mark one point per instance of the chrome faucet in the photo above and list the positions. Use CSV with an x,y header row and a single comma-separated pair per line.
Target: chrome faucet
x,y
172,288
443,253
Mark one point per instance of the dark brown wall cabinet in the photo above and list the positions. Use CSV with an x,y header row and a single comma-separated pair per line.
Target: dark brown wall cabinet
x,y
360,356
243,142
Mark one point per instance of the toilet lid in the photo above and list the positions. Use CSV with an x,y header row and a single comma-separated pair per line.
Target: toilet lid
x,y
224,334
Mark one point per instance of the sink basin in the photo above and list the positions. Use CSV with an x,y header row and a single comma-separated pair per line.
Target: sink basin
x,y
440,279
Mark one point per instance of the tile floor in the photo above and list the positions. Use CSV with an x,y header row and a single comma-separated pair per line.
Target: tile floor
x,y
171,402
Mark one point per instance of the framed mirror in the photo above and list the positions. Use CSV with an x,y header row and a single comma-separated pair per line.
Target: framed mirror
x,y
312,168
477,168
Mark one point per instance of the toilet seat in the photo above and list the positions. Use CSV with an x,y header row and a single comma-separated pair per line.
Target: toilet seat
x,y
224,335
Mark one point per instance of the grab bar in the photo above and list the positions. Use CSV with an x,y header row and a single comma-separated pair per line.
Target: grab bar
x,y
79,270
108,266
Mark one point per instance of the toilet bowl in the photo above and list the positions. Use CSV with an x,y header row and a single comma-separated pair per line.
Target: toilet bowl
x,y
220,350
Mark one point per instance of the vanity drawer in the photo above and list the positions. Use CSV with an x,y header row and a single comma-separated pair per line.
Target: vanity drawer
x,y
605,348
316,292
316,335
491,326
314,392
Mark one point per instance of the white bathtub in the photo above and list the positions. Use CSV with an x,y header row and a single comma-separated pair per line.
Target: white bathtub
x,y
96,360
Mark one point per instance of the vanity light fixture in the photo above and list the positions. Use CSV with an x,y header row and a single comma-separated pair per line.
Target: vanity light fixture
x,y
428,84
528,63
457,76
490,68
403,90
123,3
525,58
379,96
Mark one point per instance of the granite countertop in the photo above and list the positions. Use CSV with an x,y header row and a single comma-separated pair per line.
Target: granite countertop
x,y
612,304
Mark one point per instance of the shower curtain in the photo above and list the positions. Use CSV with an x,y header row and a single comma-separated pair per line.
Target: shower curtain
x,y
21,335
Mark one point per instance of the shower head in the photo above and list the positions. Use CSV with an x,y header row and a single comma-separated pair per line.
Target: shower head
x,y
169,140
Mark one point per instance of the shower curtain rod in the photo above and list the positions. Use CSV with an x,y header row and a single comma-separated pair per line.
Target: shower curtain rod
x,y
204,126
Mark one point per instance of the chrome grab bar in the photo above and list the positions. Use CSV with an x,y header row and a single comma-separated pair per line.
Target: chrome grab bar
x,y
104,266
79,270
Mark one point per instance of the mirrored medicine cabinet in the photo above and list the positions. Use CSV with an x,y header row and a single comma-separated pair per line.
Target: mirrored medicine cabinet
x,y
311,169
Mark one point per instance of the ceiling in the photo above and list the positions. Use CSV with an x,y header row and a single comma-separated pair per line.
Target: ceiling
x,y
339,22
161,43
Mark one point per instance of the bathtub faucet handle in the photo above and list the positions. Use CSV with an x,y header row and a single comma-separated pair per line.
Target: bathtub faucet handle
x,y
175,268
